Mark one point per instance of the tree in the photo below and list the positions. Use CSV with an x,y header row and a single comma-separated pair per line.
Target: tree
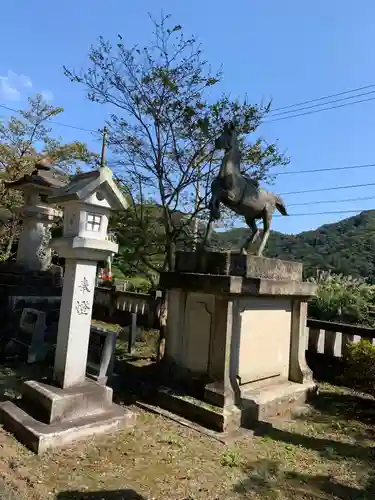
x,y
23,141
162,130
141,238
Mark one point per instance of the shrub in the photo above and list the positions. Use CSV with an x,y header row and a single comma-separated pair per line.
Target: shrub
x,y
343,298
360,361
230,458
140,284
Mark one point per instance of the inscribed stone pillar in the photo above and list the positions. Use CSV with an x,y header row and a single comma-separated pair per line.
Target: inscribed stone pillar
x,y
75,321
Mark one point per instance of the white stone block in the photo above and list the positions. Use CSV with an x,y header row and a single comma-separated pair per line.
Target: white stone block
x,y
265,328
75,321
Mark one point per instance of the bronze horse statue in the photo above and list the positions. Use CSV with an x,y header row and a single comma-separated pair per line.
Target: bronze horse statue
x,y
240,193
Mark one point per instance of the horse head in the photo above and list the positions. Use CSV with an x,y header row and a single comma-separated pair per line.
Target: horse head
x,y
227,140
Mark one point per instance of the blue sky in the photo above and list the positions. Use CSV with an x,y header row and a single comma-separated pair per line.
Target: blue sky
x,y
289,50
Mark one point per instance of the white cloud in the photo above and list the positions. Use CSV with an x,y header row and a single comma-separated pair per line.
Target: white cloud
x,y
12,84
47,95
7,92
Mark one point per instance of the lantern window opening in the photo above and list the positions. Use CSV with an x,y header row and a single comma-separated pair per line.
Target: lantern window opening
x,y
93,222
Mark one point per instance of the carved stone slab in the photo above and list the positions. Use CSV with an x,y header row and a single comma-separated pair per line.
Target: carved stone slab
x,y
236,264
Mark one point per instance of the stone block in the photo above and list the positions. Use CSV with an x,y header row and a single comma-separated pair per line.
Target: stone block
x,y
215,394
236,264
49,417
100,357
264,329
40,437
50,404
235,285
274,400
221,419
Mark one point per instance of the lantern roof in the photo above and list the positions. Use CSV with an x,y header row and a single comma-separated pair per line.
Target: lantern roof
x,y
82,187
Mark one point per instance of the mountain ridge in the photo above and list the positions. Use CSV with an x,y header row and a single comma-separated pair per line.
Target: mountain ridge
x,y
347,246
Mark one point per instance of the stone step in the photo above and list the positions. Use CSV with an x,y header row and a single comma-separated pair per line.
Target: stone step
x,y
277,399
39,437
51,404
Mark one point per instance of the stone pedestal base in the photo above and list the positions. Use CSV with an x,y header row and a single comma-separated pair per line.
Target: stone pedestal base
x,y
239,323
49,417
274,400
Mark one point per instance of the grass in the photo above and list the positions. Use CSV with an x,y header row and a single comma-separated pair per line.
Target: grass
x,y
144,347
145,343
328,454
230,458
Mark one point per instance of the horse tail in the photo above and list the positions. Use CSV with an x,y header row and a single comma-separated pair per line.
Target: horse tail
x,y
280,205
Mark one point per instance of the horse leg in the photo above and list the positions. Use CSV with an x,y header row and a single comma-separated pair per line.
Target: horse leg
x,y
214,215
208,234
253,236
266,231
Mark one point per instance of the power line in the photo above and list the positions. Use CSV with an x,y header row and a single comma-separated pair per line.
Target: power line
x,y
74,127
7,108
325,213
323,104
318,110
54,122
333,188
327,169
321,202
323,98
290,114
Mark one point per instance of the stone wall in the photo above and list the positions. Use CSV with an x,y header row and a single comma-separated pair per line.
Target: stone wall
x,y
16,281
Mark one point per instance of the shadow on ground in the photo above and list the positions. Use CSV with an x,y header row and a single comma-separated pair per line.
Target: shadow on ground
x,y
347,415
100,495
328,449
267,478
344,410
349,405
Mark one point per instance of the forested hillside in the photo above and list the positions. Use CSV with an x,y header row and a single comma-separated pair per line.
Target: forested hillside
x,y
346,247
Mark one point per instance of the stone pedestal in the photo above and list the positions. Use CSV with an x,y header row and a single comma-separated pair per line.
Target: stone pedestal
x,y
49,417
37,215
242,330
34,252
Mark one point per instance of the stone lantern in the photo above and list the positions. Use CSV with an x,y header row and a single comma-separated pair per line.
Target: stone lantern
x,y
37,215
73,406
87,201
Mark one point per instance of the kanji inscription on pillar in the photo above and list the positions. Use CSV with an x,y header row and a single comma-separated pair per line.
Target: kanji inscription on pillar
x,y
83,307
84,286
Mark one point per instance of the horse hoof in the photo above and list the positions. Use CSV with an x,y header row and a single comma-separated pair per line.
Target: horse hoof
x,y
243,252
